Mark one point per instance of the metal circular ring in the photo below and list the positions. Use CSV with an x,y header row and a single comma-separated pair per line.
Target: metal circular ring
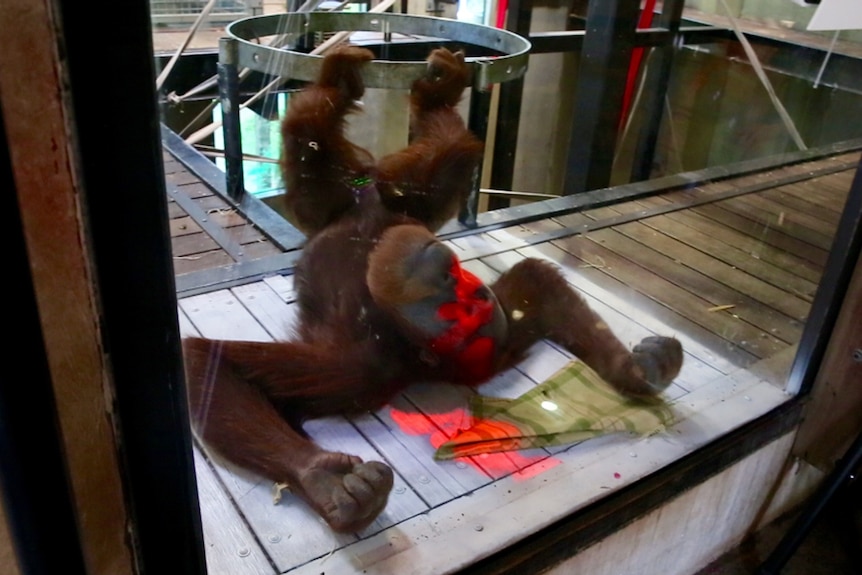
x,y
246,32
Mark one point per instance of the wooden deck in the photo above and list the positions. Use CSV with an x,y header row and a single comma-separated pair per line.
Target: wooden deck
x,y
729,268
206,231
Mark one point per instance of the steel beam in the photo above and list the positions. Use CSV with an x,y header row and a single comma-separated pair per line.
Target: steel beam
x,y
509,111
228,82
607,50
654,90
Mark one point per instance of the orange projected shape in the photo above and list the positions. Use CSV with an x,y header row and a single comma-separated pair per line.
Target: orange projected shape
x,y
440,427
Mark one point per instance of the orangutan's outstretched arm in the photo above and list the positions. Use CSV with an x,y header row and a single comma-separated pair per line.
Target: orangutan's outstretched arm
x,y
319,165
430,179
540,304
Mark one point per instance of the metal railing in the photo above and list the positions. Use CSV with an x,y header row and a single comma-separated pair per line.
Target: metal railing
x,y
180,12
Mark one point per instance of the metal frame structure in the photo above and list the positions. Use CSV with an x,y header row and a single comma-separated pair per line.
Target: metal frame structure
x,y
171,12
605,55
605,50
241,50
510,98
846,247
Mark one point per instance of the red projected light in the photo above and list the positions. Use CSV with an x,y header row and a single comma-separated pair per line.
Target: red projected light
x,y
440,427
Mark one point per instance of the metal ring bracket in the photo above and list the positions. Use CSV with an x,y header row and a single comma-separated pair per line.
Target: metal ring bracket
x,y
511,64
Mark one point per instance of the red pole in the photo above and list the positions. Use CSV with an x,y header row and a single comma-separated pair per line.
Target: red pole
x,y
502,6
645,21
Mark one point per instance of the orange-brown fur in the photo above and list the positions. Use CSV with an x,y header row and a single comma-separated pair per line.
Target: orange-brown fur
x,y
369,284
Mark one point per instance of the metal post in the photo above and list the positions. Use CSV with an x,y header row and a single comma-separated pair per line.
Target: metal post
x,y
843,257
655,91
228,87
608,45
509,111
480,106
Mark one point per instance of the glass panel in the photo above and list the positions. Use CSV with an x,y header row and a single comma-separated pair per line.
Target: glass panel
x,y
687,187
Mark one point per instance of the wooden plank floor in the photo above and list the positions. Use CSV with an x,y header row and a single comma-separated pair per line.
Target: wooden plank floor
x,y
206,231
731,274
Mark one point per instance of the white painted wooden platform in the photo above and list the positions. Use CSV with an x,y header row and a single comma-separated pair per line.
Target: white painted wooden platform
x,y
443,516
730,269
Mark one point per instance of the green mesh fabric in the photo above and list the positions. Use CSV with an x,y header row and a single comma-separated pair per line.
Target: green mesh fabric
x,y
574,404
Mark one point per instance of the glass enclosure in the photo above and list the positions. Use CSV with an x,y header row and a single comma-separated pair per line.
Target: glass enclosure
x,y
684,165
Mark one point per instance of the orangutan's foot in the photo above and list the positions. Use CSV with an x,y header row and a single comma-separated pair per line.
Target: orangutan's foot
x,y
347,492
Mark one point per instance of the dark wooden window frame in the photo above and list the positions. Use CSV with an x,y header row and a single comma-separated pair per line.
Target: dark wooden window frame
x,y
127,218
